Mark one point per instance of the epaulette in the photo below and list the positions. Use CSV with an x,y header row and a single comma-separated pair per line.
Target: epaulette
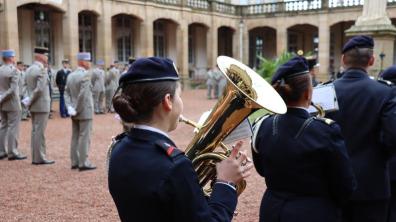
x,y
171,151
325,120
385,82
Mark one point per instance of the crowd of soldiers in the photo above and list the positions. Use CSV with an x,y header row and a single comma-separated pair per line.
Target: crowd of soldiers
x,y
27,92
215,83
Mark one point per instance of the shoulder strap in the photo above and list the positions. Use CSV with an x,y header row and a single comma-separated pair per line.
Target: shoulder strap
x,y
171,151
303,127
275,125
256,128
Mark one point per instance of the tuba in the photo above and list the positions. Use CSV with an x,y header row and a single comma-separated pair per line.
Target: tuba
x,y
244,93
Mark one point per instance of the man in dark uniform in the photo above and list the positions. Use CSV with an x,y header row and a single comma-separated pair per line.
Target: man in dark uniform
x,y
388,77
368,124
61,77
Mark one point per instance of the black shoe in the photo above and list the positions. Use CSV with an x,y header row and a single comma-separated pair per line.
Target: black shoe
x,y
84,168
3,156
44,162
74,167
17,157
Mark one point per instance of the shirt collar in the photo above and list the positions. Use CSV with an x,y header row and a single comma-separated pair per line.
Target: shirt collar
x,y
39,64
82,68
149,128
298,107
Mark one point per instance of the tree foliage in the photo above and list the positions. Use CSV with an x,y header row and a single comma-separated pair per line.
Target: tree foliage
x,y
268,67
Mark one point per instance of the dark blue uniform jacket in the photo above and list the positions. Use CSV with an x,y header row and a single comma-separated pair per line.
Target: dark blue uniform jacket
x,y
147,184
306,168
392,163
367,119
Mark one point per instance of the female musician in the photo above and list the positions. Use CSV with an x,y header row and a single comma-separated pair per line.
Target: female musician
x,y
303,159
149,178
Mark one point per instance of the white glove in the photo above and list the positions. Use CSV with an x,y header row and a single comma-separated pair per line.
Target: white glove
x,y
26,101
71,111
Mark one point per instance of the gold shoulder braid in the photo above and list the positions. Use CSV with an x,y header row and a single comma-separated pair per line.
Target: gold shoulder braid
x,y
114,141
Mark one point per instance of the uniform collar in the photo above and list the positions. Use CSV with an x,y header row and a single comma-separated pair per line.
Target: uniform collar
x,y
149,135
298,111
81,68
355,73
150,128
41,65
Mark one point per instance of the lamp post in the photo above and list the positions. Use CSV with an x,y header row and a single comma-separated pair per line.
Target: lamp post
x,y
241,26
382,56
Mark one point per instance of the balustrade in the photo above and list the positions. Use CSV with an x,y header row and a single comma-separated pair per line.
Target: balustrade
x,y
280,6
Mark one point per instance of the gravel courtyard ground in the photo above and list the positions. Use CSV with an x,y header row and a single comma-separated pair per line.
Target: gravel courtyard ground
x,y
57,193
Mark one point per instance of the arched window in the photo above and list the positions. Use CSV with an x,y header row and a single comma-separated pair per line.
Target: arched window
x,y
42,30
159,39
86,28
124,37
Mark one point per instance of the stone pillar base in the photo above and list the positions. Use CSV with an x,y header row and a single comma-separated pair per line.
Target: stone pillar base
x,y
185,82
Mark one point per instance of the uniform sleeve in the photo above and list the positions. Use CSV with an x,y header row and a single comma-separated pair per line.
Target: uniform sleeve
x,y
39,74
58,78
187,199
342,178
85,88
388,120
13,86
94,77
67,95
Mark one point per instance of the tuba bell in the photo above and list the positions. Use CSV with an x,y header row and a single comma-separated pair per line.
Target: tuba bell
x,y
244,93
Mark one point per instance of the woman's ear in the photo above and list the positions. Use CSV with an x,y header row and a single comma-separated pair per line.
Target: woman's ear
x,y
371,61
167,102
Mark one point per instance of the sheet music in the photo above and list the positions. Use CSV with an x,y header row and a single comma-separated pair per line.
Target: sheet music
x,y
325,96
242,131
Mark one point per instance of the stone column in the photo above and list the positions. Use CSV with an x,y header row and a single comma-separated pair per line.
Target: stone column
x,y
70,33
104,35
246,46
324,49
281,39
212,47
9,27
375,22
147,38
57,36
182,52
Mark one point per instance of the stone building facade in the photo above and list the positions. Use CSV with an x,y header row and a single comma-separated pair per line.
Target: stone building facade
x,y
191,32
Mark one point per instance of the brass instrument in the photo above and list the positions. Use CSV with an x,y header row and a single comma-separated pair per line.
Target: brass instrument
x,y
321,113
244,93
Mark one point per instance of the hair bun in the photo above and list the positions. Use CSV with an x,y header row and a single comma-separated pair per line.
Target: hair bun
x,y
124,108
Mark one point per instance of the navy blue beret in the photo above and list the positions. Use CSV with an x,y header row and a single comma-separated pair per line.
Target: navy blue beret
x,y
360,41
151,69
312,62
389,74
294,67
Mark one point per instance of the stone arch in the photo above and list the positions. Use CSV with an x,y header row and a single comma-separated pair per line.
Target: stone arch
x,y
51,4
262,42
